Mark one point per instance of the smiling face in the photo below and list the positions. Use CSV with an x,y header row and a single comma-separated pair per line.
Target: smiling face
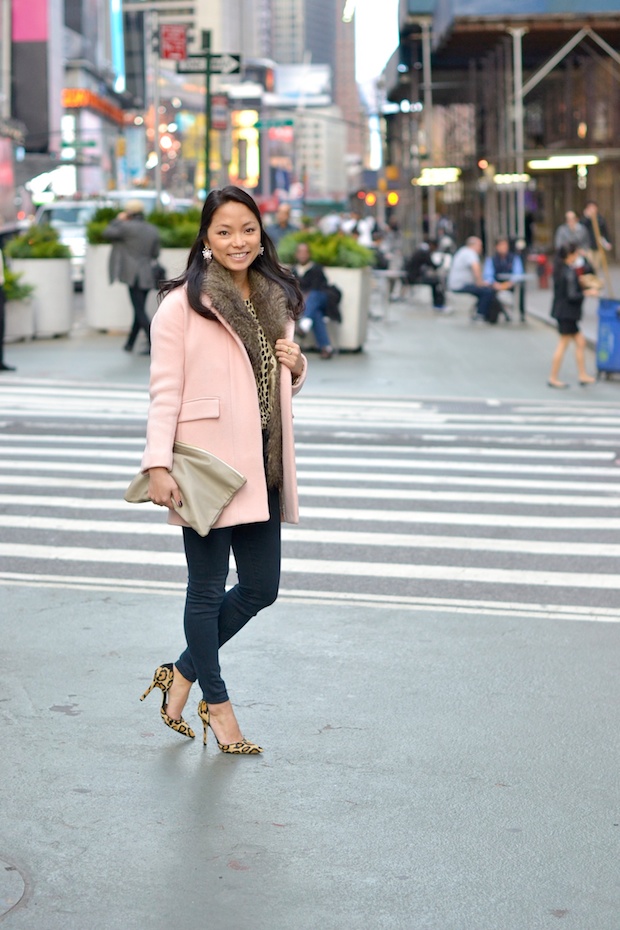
x,y
234,237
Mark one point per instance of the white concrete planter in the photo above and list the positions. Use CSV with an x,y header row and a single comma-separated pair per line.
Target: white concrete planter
x,y
174,261
53,294
355,286
106,306
18,320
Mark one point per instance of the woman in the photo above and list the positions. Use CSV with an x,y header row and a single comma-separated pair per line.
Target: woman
x,y
224,368
567,304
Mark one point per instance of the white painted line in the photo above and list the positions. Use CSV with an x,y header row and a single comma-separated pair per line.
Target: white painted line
x,y
444,518
448,573
68,525
470,481
472,451
434,465
132,455
76,503
40,481
559,455
401,494
331,537
410,464
77,467
604,487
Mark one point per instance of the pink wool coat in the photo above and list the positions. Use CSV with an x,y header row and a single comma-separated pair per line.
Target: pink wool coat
x,y
203,392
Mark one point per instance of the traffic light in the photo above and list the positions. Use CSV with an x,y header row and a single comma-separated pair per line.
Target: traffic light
x,y
370,199
392,198
361,195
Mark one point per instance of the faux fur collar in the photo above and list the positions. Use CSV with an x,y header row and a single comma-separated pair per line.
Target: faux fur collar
x,y
268,300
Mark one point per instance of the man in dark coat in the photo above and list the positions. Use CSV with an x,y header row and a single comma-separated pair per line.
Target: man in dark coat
x,y
136,246
425,266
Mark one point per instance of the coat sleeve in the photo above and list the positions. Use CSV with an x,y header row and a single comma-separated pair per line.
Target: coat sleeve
x,y
166,382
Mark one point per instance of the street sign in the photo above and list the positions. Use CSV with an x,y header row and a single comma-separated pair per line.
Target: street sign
x,y
271,123
225,64
79,144
193,64
173,41
218,64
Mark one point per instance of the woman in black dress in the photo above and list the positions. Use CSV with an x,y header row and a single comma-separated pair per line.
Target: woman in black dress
x,y
568,298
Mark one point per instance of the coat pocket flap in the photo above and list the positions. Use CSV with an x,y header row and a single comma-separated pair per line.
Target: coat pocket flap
x,y
203,408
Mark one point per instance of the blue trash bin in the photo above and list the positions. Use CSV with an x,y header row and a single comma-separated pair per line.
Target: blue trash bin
x,y
608,340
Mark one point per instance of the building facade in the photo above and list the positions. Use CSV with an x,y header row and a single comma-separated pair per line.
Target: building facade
x,y
498,95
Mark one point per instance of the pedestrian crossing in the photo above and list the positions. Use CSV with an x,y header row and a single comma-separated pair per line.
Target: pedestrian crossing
x,y
498,509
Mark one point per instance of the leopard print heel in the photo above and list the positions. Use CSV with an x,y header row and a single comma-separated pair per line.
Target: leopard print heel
x,y
242,748
162,679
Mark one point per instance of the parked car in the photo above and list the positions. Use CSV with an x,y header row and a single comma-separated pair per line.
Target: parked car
x,y
69,218
169,202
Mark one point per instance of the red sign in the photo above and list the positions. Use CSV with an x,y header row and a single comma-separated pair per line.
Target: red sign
x,y
219,112
281,133
173,41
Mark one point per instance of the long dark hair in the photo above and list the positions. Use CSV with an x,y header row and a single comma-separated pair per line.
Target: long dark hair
x,y
266,264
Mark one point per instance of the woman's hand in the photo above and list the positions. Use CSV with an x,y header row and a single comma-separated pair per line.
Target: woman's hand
x,y
163,489
289,354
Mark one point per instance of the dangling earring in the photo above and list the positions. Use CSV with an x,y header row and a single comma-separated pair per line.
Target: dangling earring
x,y
261,251
207,254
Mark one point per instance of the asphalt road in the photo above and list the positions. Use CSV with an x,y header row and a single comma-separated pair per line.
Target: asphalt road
x,y
436,688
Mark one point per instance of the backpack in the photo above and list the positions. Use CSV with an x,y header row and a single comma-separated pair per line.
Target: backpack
x,y
495,308
332,307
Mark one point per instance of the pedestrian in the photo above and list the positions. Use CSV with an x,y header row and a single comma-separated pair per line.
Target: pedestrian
x,y
3,365
282,226
568,296
502,271
598,234
133,261
314,288
224,368
465,277
571,230
427,266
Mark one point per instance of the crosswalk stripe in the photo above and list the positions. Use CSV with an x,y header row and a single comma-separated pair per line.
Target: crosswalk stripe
x,y
405,494
342,514
42,459
333,537
351,477
556,455
447,573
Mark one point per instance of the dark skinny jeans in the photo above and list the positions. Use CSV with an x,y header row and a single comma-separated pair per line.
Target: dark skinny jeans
x,y
214,615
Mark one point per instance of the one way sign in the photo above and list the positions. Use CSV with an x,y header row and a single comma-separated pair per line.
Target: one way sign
x,y
225,64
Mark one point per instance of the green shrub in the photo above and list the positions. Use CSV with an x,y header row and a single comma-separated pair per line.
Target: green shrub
x,y
334,250
101,217
170,219
38,242
182,236
177,230
13,290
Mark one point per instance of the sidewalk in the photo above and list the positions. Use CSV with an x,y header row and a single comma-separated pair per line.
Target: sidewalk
x,y
410,351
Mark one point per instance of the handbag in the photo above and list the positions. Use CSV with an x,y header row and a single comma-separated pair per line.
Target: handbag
x,y
159,272
207,485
